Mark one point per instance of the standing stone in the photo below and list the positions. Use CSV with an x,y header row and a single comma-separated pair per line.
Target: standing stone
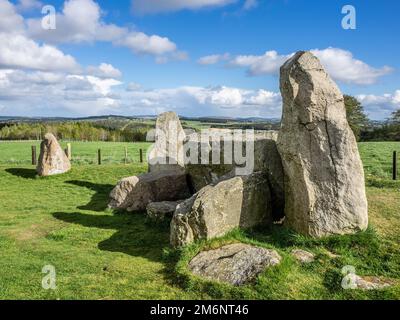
x,y
52,158
167,152
324,177
243,202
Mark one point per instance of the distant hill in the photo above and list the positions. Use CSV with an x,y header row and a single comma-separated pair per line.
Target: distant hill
x,y
140,117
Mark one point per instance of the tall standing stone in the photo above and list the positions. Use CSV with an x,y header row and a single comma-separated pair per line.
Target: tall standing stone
x,y
167,153
52,158
324,177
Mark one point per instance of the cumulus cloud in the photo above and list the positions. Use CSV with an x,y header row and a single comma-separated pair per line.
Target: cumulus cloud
x,y
10,20
133,86
141,43
157,6
26,5
104,70
17,51
55,93
342,66
81,21
339,63
201,101
268,63
81,95
380,106
213,59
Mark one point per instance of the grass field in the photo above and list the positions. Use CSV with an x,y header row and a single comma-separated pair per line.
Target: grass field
x,y
19,153
99,254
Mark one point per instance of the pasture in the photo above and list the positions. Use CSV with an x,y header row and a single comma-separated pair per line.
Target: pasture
x,y
100,254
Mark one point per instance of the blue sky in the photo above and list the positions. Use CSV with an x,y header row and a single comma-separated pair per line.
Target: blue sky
x,y
196,57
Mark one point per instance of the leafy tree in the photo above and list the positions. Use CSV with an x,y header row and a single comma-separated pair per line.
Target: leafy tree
x,y
355,115
395,118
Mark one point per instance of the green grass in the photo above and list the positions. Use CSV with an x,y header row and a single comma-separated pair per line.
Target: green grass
x,y
82,152
99,254
377,158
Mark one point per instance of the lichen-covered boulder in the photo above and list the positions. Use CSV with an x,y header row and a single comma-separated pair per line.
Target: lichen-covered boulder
x,y
236,264
243,201
135,193
263,154
52,158
324,178
160,211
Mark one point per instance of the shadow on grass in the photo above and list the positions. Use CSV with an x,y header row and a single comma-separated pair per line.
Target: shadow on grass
x,y
99,200
134,235
22,173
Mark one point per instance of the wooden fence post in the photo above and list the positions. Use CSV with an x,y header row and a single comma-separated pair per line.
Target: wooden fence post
x,y
99,156
394,165
126,155
34,157
69,151
141,156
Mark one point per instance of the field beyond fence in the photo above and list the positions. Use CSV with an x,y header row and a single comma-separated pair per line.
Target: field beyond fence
x,y
19,152
376,156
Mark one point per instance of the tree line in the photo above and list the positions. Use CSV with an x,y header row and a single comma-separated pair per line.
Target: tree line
x,y
73,131
366,130
127,131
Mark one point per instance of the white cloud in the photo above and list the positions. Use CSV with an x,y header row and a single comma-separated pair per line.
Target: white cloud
x,y
213,59
81,21
268,63
26,5
10,20
227,97
17,51
380,106
201,101
264,97
79,95
56,93
104,70
342,66
133,86
141,43
339,63
156,6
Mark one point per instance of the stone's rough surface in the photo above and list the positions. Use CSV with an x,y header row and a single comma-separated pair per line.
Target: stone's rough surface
x,y
324,178
266,159
167,153
52,158
371,283
135,193
160,211
216,209
236,264
303,256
